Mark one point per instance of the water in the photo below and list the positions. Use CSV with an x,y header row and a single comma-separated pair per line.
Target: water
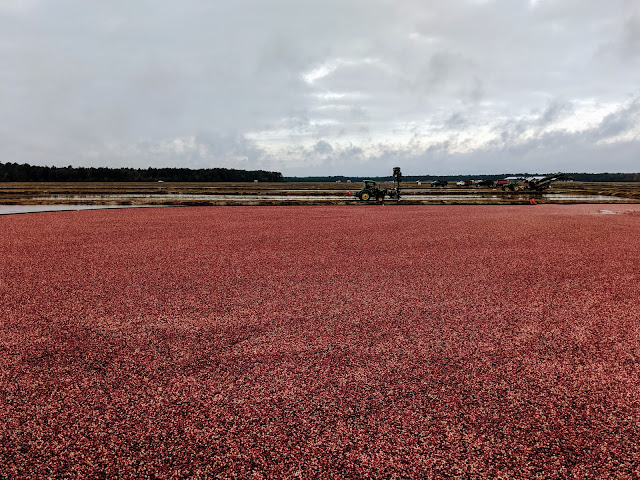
x,y
585,198
15,209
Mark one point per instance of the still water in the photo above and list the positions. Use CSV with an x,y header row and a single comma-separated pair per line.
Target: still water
x,y
14,209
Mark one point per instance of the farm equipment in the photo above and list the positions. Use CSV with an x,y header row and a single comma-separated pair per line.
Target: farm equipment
x,y
513,186
371,190
545,182
536,184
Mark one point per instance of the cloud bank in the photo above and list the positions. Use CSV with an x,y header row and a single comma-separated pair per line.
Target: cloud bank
x,y
347,87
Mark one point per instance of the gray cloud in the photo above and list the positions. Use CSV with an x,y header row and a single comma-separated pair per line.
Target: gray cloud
x,y
554,111
323,147
620,121
632,36
323,87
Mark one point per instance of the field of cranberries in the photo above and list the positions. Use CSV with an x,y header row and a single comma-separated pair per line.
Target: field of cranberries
x,y
321,342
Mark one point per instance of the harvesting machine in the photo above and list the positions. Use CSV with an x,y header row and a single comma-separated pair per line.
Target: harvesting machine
x,y
545,182
534,183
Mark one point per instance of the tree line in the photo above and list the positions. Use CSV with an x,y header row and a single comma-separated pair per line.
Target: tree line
x,y
14,172
605,177
578,177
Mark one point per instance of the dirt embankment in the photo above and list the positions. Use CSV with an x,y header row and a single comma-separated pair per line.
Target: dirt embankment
x,y
106,193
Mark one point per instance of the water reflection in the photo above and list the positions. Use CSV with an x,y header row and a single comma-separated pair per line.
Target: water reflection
x,y
15,209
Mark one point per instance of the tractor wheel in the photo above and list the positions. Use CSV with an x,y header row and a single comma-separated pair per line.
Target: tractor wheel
x,y
380,198
364,196
516,188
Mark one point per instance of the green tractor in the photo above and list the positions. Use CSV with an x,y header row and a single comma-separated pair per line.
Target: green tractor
x,y
370,190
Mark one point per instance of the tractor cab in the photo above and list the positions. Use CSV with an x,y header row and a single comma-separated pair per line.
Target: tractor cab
x,y
369,184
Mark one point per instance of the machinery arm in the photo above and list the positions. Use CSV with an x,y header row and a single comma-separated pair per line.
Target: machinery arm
x,y
546,181
397,178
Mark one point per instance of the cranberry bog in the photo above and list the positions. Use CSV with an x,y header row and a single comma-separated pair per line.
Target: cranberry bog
x,y
321,342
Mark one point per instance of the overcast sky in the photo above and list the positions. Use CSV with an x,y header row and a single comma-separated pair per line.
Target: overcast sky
x,y
331,87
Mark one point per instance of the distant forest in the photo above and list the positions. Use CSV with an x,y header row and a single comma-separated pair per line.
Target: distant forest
x,y
13,172
578,177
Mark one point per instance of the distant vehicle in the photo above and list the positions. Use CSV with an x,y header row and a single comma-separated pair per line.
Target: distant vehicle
x,y
439,183
464,183
485,183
